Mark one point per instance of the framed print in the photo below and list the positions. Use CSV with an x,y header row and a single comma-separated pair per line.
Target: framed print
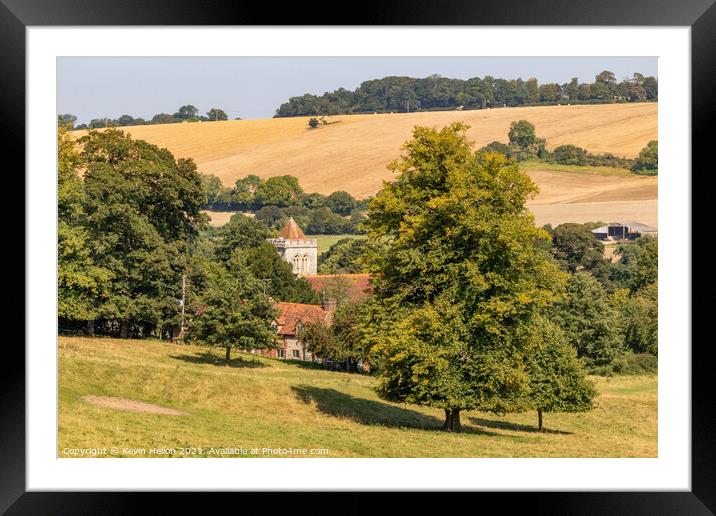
x,y
288,257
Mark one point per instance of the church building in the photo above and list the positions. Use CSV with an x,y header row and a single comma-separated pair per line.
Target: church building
x,y
296,249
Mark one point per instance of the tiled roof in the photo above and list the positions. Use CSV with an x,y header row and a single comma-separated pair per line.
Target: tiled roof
x,y
290,314
291,231
357,285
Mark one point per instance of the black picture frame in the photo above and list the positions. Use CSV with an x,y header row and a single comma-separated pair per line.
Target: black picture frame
x,y
700,15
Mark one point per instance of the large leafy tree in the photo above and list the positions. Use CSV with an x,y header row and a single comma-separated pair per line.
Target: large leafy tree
x,y
590,322
245,190
339,341
279,191
456,272
235,312
575,248
343,257
648,160
522,134
186,112
277,276
241,232
218,197
557,378
638,264
263,262
142,209
66,121
216,114
341,203
81,282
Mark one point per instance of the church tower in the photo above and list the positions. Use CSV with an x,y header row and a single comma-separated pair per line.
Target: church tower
x,y
296,249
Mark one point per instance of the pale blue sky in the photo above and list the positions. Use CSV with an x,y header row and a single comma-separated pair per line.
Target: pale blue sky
x,y
253,87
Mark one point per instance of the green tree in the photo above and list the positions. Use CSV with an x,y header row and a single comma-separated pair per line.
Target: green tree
x,y
343,257
341,203
500,147
338,342
80,282
314,200
241,232
163,118
323,221
569,155
591,324
186,112
218,197
216,114
126,120
532,91
605,77
557,378
279,191
457,268
277,277
66,121
550,92
273,217
638,264
572,89
244,192
522,135
641,333
235,312
575,248
648,160
142,210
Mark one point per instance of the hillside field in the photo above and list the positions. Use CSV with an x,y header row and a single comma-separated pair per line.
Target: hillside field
x,y
352,153
255,402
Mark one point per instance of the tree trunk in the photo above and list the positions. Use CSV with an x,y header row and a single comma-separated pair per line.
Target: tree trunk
x,y
452,421
123,329
90,328
539,417
228,353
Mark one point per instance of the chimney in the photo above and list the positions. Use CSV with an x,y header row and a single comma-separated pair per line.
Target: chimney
x,y
329,304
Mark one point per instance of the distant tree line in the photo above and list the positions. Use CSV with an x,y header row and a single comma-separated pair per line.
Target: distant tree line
x,y
276,199
407,94
187,113
525,145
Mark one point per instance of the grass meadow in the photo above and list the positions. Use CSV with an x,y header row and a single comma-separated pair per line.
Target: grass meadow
x,y
257,402
326,241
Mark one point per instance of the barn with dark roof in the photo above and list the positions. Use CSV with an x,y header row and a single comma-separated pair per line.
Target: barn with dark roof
x,y
624,230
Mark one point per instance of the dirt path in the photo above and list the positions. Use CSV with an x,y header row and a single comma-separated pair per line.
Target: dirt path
x,y
130,405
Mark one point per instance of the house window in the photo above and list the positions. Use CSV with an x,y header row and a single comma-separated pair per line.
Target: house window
x,y
281,353
296,353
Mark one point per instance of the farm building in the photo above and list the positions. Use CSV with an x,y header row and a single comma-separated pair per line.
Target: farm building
x,y
624,230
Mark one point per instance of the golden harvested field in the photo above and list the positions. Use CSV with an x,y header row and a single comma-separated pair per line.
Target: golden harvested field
x,y
352,154
218,218
579,195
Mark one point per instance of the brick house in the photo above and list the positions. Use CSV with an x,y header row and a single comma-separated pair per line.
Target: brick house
x,y
288,326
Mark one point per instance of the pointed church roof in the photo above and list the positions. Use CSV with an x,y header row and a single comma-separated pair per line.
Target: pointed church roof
x,y
291,231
